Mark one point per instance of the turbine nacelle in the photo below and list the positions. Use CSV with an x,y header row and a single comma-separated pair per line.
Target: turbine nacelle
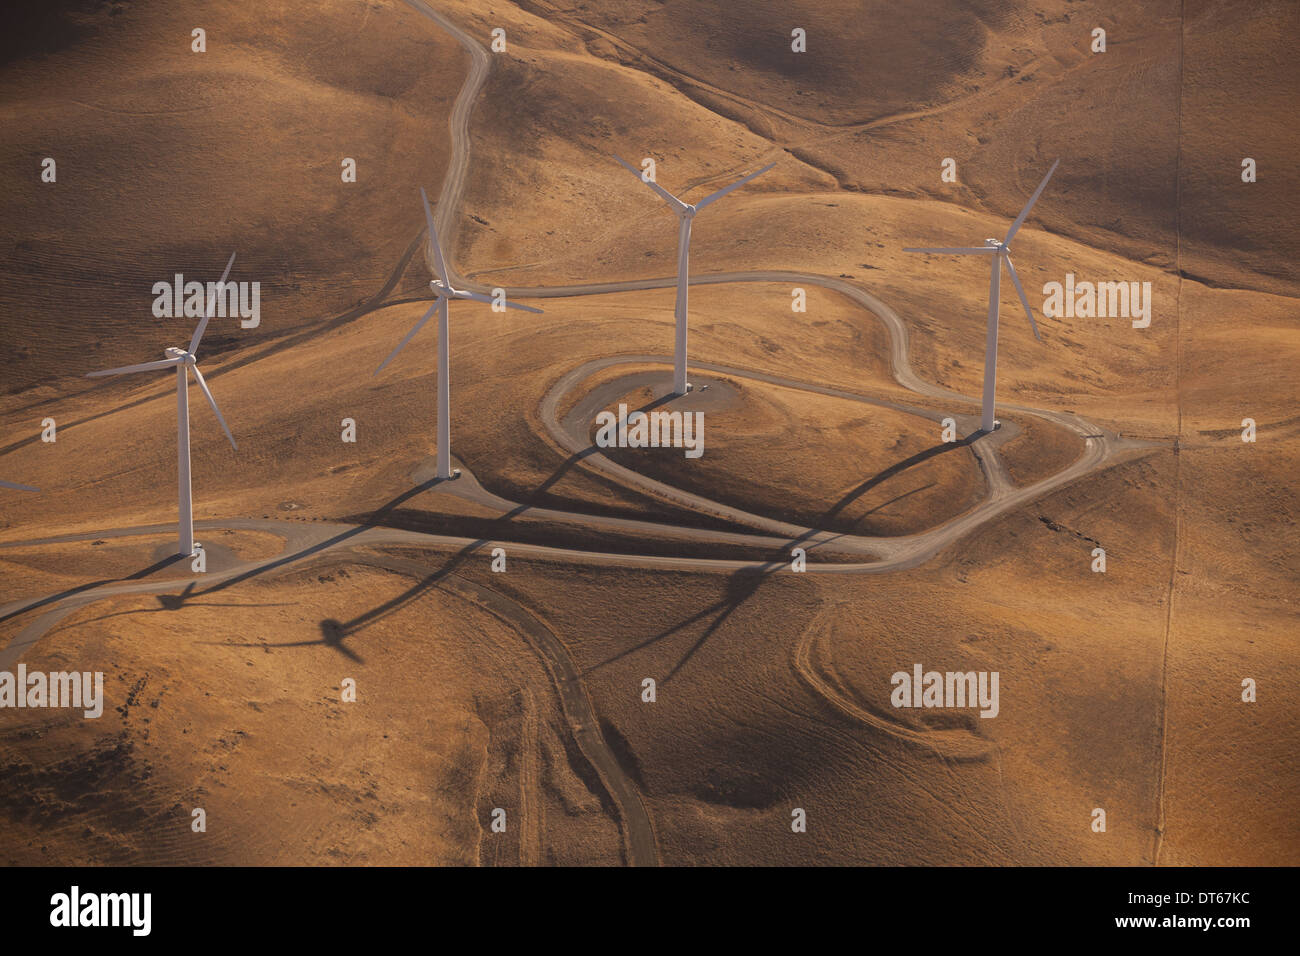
x,y
184,362
686,210
685,213
999,253
1000,249
443,293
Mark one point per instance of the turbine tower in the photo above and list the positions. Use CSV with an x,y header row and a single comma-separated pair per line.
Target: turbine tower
x,y
184,361
442,290
685,213
999,253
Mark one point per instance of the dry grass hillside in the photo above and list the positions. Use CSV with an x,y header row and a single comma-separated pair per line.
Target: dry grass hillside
x,y
1000,89
523,690
168,160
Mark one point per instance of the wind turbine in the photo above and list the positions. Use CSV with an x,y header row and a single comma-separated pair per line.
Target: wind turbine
x,y
685,213
442,290
16,487
184,361
999,252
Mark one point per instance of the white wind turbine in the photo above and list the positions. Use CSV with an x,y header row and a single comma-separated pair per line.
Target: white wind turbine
x,y
184,361
685,213
441,286
1000,252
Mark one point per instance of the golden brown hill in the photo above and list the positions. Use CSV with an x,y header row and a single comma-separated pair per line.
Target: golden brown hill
x,y
168,160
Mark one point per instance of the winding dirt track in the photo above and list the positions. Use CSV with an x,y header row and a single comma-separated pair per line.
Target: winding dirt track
x,y
307,543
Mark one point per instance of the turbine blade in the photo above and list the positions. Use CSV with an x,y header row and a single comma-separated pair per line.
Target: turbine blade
x,y
1020,291
956,250
1024,213
14,486
523,308
480,297
212,303
664,194
198,377
433,239
409,335
714,197
143,367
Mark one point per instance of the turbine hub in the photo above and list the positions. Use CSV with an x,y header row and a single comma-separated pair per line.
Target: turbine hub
x,y
440,288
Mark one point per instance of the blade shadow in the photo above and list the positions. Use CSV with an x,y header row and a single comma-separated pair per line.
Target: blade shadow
x,y
741,585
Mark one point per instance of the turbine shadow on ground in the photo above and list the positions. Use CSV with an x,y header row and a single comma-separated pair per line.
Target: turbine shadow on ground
x,y
90,586
535,497
175,602
334,632
894,471
744,583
